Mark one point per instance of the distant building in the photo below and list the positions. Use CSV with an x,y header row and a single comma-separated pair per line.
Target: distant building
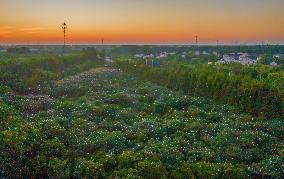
x,y
148,56
162,55
108,59
205,53
152,56
215,53
197,53
184,55
245,59
278,56
274,64
242,58
258,58
138,56
165,55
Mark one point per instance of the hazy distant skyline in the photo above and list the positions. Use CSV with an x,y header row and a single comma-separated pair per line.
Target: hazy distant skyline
x,y
142,21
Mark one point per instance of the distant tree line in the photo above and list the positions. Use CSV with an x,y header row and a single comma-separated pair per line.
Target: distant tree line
x,y
221,49
258,90
18,50
26,74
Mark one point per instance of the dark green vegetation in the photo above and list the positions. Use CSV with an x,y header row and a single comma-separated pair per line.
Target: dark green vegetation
x,y
258,90
35,74
70,117
258,49
19,50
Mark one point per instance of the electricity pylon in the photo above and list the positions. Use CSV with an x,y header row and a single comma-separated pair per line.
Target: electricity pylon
x,y
64,28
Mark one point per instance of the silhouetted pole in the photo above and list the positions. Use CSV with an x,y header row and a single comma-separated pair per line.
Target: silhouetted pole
x,y
196,42
64,28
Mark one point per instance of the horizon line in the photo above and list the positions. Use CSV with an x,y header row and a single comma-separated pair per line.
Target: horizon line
x,y
142,44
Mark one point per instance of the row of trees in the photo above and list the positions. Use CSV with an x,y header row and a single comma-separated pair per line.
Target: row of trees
x,y
254,89
18,50
33,73
147,49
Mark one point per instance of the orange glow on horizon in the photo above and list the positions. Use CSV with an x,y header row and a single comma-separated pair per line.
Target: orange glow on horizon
x,y
132,22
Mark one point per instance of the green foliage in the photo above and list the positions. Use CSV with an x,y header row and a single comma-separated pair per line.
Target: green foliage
x,y
9,116
18,50
151,169
107,124
257,90
37,73
57,168
272,166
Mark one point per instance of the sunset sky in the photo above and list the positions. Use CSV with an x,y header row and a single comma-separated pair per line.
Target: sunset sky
x,y
142,21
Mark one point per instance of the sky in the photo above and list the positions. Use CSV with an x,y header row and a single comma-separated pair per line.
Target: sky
x,y
142,21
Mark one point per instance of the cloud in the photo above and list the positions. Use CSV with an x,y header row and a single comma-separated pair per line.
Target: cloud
x,y
31,29
5,31
12,31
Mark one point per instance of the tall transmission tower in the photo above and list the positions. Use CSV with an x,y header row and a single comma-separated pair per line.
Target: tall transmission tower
x,y
103,41
64,28
196,40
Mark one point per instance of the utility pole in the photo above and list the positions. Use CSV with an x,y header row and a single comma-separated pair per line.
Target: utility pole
x,y
196,44
103,41
196,40
64,28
